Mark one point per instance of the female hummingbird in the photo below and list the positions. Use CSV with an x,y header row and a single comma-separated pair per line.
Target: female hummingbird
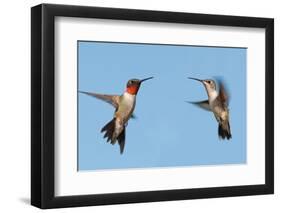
x,y
124,107
218,104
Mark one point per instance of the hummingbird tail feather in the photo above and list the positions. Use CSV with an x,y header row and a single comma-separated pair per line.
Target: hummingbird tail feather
x,y
109,131
224,130
111,135
121,140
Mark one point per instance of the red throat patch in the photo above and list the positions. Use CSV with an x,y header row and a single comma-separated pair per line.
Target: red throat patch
x,y
133,90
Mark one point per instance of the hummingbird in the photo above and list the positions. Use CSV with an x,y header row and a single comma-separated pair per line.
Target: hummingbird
x,y
217,102
115,130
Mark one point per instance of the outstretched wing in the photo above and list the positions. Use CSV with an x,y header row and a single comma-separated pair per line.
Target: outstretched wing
x,y
202,104
223,93
111,99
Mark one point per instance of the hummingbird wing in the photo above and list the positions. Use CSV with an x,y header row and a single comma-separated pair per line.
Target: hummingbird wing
x,y
111,99
223,94
202,104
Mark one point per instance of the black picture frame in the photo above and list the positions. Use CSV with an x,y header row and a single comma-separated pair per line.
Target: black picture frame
x,y
43,102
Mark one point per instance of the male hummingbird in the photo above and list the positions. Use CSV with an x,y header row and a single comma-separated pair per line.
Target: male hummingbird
x,y
124,107
218,104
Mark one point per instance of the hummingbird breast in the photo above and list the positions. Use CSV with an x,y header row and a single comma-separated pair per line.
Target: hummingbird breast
x,y
126,107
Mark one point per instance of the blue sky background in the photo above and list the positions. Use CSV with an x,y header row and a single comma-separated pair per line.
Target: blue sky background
x,y
168,131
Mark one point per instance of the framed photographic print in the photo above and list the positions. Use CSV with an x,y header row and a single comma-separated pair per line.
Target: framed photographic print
x,y
139,106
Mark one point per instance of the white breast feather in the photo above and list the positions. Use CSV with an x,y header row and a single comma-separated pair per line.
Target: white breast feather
x,y
129,99
213,95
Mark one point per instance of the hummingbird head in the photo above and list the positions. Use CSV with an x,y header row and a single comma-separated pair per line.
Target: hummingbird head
x,y
133,85
210,86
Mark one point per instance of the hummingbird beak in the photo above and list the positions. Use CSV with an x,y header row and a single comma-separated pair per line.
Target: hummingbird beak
x,y
145,79
196,79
